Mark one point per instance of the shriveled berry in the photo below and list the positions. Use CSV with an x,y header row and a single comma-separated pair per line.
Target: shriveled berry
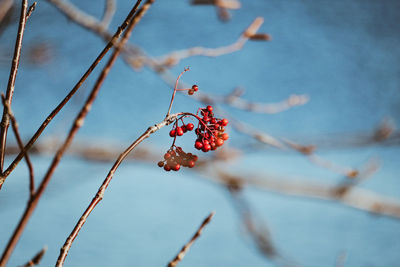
x,y
219,142
195,88
189,126
167,167
172,133
191,163
190,91
198,145
224,122
176,167
160,164
179,131
209,109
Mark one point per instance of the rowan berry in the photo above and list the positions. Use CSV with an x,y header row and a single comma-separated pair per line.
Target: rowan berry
x,y
191,163
195,88
209,109
176,167
219,142
179,131
167,167
224,122
198,145
206,147
160,164
190,92
189,126
167,156
225,136
172,133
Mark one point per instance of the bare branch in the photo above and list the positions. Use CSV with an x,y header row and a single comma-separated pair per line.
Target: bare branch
x,y
11,81
187,246
14,125
109,12
130,21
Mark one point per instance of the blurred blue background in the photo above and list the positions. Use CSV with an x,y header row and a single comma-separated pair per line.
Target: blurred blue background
x,y
343,54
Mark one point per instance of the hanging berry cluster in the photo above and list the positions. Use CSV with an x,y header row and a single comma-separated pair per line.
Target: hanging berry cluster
x,y
210,133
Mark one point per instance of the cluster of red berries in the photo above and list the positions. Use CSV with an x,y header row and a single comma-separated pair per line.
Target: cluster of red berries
x,y
175,158
210,131
180,130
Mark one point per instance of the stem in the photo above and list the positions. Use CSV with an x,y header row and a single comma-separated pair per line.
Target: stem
x,y
100,193
175,89
74,129
68,97
5,122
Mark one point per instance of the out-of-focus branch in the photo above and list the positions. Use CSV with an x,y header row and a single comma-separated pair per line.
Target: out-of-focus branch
x,y
187,246
175,57
223,6
109,12
36,259
14,125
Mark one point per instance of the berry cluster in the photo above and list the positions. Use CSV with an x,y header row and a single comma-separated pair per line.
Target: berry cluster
x,y
180,130
210,131
175,158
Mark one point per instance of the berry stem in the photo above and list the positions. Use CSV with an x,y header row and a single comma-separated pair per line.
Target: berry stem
x,y
175,89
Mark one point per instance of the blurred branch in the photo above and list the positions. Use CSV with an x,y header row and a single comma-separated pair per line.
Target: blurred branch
x,y
109,12
36,259
187,246
175,57
223,6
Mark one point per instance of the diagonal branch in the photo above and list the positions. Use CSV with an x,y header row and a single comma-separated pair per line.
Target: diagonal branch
x,y
5,122
187,246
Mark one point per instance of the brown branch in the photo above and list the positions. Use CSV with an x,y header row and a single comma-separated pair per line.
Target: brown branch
x,y
100,193
11,81
36,259
130,22
66,99
187,246
30,10
14,125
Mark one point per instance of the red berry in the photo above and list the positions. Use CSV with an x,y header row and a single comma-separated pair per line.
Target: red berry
x,y
206,147
167,156
172,133
209,109
213,146
160,164
190,92
195,158
184,128
179,131
224,122
191,163
189,126
213,121
195,88
206,142
198,145
225,136
167,167
176,167
219,142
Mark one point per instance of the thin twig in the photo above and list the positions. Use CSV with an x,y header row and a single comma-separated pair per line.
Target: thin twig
x,y
11,81
175,89
36,259
30,10
76,125
187,246
14,125
100,193
67,98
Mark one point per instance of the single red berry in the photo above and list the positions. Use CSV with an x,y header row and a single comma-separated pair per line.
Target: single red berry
x,y
167,156
209,109
189,126
224,122
172,133
219,142
167,167
176,167
213,121
195,88
206,148
160,164
184,129
225,136
195,158
213,146
198,145
206,142
190,92
179,131
191,163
